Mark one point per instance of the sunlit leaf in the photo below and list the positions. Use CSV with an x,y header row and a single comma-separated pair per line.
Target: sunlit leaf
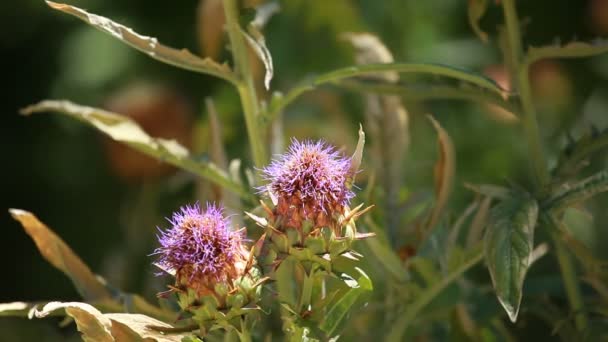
x,y
141,326
18,309
358,154
180,58
342,306
61,256
125,130
444,172
96,326
476,10
508,247
90,321
257,42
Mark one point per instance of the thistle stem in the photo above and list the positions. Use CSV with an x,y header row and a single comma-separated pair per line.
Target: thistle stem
x,y
245,84
519,73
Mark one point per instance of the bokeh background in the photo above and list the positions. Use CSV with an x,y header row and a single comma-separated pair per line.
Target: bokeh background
x,y
106,201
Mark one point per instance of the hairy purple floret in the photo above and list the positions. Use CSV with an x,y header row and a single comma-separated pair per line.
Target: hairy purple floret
x,y
200,247
312,175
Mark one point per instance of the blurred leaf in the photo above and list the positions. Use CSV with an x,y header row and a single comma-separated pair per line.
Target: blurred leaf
x,y
98,327
443,171
342,306
257,42
61,256
420,92
412,311
18,309
180,58
125,130
570,50
489,190
90,321
465,76
383,252
570,195
210,21
476,10
479,221
577,151
358,154
508,246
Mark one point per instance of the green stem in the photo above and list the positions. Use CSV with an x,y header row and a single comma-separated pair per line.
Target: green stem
x,y
519,72
245,85
569,277
414,309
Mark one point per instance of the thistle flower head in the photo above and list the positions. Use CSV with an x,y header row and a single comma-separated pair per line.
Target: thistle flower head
x,y
309,182
201,248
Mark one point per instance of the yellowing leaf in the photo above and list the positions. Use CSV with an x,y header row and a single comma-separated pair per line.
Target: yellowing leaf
x,y
476,10
180,58
90,321
60,255
125,130
444,172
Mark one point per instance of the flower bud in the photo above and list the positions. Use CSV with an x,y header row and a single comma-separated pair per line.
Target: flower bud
x,y
214,279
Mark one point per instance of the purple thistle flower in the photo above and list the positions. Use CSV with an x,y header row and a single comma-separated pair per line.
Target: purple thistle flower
x,y
200,247
311,176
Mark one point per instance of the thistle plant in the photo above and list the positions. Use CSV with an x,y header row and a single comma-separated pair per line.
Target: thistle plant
x,y
308,229
301,276
216,283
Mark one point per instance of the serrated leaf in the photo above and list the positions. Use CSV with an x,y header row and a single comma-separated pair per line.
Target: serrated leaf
x,y
577,151
508,247
569,50
127,131
570,195
61,256
476,10
343,305
443,172
180,58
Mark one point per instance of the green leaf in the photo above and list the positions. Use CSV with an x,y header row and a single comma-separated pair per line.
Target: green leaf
x,y
61,256
480,81
343,304
181,58
570,195
423,299
570,50
381,249
125,130
576,152
476,10
426,92
508,247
